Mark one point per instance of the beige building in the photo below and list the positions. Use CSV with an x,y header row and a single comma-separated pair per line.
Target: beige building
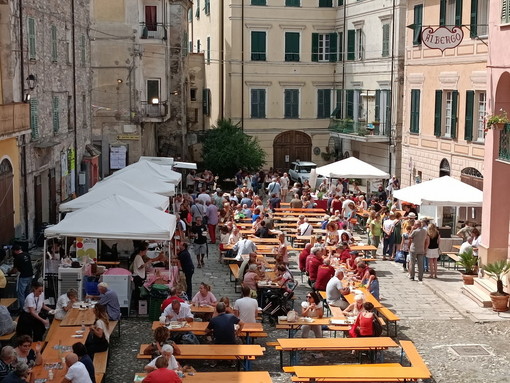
x,y
140,92
283,68
445,96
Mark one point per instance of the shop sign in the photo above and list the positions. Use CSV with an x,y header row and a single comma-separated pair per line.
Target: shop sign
x,y
442,38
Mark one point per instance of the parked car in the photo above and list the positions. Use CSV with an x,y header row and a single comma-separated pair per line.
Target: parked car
x,y
300,171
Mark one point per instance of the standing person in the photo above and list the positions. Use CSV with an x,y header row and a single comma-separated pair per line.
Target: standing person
x,y
432,245
23,265
312,308
99,337
187,267
199,232
397,234
284,183
30,322
139,271
274,188
246,308
212,220
417,250
389,238
198,210
375,232
77,372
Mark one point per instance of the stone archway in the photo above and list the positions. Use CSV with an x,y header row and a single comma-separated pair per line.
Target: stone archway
x,y
290,146
6,202
473,177
444,168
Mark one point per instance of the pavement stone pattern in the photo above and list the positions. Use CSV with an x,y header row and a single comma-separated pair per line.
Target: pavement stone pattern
x,y
435,316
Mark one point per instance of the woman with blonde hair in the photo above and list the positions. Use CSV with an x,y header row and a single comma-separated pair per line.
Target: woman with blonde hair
x,y
432,246
98,338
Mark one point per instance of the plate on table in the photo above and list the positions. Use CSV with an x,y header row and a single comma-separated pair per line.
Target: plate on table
x,y
77,336
79,332
309,320
282,318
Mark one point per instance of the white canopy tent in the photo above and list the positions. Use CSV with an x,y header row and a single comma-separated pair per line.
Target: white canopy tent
x,y
161,172
443,191
351,168
141,180
119,187
116,217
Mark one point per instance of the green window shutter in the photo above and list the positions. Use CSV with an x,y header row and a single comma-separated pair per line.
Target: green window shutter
x,y
55,114
197,12
34,118
455,107
190,15
474,19
349,99
54,51
315,47
291,46
292,3
31,39
377,111
208,53
258,46
470,102
340,2
82,47
418,20
206,102
258,2
258,103
385,40
442,13
415,111
323,103
458,13
333,47
207,7
351,44
325,3
437,113
291,103
339,104
185,43
340,46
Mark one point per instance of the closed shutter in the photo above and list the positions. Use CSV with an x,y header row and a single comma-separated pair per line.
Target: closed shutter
x,y
470,101
34,117
385,40
291,103
258,2
349,100
351,44
418,20
207,7
291,46
415,111
323,103
258,103
437,113
458,13
31,39
56,114
208,53
442,13
325,3
54,51
340,46
455,107
338,112
377,113
197,12
292,3
474,19
206,102
333,47
315,47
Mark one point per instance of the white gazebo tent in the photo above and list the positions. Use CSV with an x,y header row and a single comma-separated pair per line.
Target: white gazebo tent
x,y
351,168
161,172
141,180
118,187
439,192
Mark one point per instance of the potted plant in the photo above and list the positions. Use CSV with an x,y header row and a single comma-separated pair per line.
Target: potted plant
x,y
498,270
468,261
498,121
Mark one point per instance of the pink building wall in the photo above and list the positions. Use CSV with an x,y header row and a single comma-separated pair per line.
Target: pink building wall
x,y
496,206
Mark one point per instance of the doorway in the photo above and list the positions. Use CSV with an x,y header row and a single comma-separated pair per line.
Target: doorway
x,y
6,202
291,146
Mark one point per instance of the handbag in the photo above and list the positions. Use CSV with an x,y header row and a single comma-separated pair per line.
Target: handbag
x,y
292,316
400,257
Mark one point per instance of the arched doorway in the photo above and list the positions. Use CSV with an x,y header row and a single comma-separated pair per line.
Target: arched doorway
x,y
290,146
6,202
444,168
472,177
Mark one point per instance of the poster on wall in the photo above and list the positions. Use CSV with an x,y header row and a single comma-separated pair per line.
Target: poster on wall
x,y
118,157
86,247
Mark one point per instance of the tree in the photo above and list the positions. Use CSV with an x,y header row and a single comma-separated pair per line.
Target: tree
x,y
227,149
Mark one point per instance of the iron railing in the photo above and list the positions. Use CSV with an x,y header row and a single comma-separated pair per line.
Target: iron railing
x,y
348,126
504,144
152,31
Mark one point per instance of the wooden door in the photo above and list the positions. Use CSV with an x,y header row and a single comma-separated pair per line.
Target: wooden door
x,y
6,203
294,144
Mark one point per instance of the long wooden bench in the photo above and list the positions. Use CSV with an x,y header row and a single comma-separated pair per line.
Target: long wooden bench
x,y
100,363
413,356
451,256
390,317
141,355
234,272
384,372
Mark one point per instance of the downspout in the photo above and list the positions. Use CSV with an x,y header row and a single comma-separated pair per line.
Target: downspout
x,y
344,37
242,65
392,75
222,59
24,147
73,38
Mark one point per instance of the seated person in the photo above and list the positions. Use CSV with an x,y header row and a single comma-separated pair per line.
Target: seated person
x,y
204,297
246,308
24,352
178,311
251,279
343,251
81,352
109,299
284,277
228,308
251,260
324,273
167,352
312,308
362,271
7,325
65,303
7,361
264,232
335,291
355,307
162,373
222,326
172,295
161,338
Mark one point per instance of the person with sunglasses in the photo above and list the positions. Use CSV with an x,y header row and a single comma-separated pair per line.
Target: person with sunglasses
x,y
312,308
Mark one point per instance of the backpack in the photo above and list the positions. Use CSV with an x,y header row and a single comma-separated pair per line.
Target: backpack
x,y
376,326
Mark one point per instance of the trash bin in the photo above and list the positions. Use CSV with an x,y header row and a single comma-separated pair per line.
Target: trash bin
x,y
158,294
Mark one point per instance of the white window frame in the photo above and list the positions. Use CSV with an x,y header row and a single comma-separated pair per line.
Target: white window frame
x,y
359,48
324,47
448,113
449,17
482,18
481,113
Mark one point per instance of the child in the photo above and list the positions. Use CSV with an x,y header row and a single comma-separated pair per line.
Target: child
x,y
406,243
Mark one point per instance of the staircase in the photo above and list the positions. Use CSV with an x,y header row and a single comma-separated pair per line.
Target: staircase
x,y
479,292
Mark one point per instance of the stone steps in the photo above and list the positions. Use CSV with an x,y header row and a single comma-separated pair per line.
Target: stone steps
x,y
478,294
487,284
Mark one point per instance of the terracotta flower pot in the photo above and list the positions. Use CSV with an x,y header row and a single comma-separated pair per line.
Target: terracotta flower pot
x,y
499,302
468,279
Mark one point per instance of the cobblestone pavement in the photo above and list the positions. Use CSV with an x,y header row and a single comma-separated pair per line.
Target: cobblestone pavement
x,y
435,316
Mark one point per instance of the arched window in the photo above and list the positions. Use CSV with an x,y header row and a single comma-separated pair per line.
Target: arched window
x,y
444,168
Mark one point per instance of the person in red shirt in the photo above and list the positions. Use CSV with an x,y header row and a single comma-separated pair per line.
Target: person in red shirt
x,y
312,264
363,325
172,296
324,274
162,374
336,204
303,255
343,251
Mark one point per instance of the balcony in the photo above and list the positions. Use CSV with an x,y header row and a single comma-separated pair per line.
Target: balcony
x,y
14,119
152,31
504,144
359,130
157,110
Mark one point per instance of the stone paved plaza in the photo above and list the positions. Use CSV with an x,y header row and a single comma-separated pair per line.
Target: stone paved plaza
x,y
435,315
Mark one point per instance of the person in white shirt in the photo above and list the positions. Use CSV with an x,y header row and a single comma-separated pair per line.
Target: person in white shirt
x,y
167,351
178,311
305,229
204,197
348,207
466,245
246,308
284,184
77,372
335,291
65,303
244,247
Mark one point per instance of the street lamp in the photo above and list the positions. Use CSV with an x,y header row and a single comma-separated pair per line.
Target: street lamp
x,y
31,80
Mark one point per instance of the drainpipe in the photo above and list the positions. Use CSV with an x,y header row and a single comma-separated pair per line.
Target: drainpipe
x,y
343,55
73,39
222,59
392,75
242,65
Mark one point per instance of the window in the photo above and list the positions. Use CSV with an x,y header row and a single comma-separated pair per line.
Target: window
x,y
385,40
446,124
193,94
382,111
258,2
291,103
353,104
479,18
417,25
481,113
415,111
54,50
198,46
291,46
355,41
82,50
185,43
324,47
34,117
258,46
207,7
476,103
208,53
55,114
340,46
505,12
31,39
151,18
197,12
359,45
323,103
325,3
206,101
450,13
338,112
258,103
292,3
153,92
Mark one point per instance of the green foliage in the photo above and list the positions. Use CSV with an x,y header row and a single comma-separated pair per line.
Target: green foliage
x,y
468,261
227,149
497,270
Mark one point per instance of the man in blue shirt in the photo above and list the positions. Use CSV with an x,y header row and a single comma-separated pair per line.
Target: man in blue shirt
x,y
109,299
222,326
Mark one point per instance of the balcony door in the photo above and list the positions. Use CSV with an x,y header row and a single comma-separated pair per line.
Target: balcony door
x,y
151,18
6,203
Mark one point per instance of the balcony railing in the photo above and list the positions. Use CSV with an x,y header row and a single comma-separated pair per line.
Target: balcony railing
x,y
154,110
348,126
14,118
152,31
504,144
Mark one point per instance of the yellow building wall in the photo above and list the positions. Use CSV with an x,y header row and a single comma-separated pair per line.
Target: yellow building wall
x,y
109,10
9,150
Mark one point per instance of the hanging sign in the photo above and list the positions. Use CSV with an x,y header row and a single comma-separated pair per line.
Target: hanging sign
x,y
442,38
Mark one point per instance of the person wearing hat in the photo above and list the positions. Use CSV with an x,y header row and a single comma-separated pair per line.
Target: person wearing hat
x,y
411,215
167,352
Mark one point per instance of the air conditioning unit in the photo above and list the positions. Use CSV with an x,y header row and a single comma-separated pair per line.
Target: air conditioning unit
x,y
121,284
70,278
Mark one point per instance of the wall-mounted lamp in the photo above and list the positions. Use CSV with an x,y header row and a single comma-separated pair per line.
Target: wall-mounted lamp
x,y
155,101
31,80
119,81
26,97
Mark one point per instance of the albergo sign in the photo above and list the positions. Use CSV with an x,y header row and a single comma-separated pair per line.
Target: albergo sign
x,y
442,38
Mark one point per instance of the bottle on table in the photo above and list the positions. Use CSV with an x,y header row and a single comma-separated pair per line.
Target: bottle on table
x,y
83,326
